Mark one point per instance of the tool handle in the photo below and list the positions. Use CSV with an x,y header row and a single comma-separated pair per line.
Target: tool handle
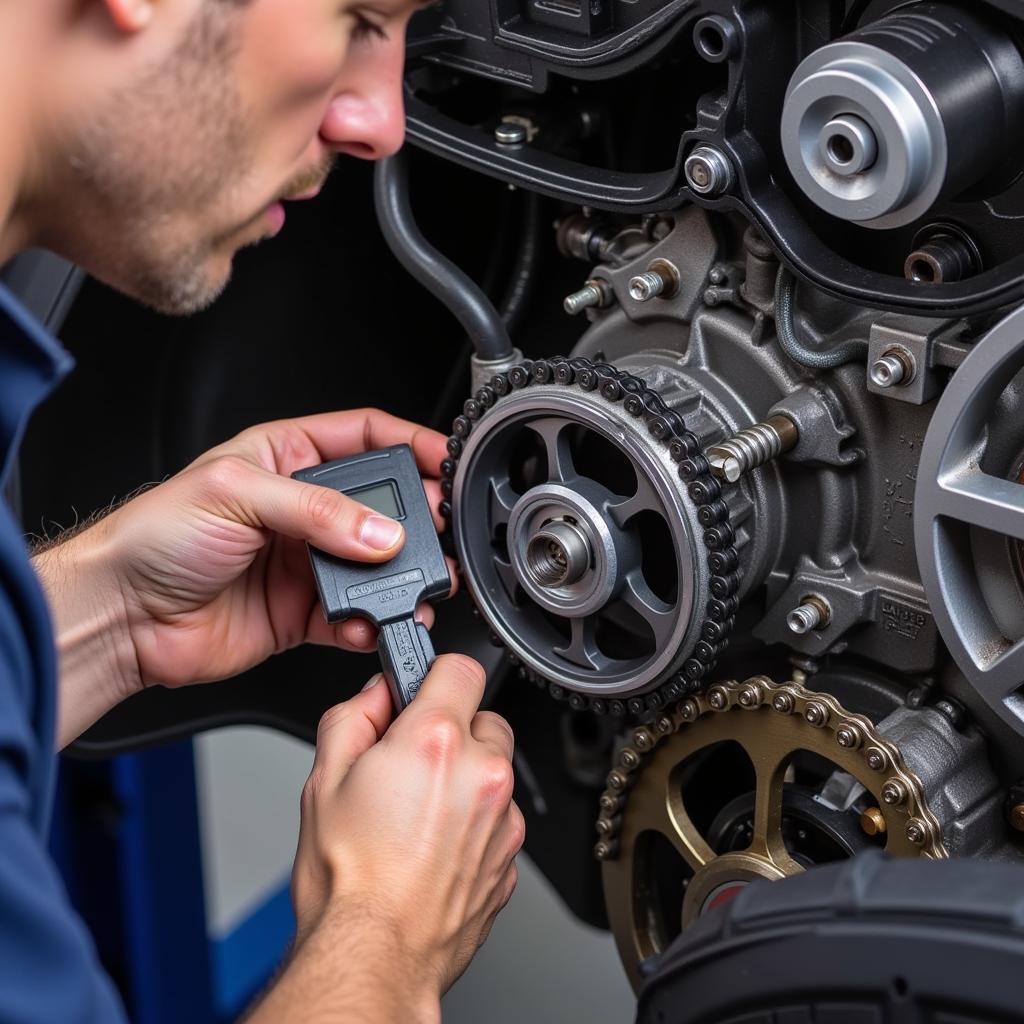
x,y
406,655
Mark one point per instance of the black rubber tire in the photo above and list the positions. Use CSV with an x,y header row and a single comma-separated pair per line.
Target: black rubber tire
x,y
867,941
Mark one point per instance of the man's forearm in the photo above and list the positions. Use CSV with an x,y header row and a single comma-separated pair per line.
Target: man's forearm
x,y
349,972
96,658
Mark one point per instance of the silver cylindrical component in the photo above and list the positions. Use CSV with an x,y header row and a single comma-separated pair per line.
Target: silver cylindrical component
x,y
940,258
881,124
646,286
594,294
752,447
708,171
812,613
892,369
510,133
558,555
848,145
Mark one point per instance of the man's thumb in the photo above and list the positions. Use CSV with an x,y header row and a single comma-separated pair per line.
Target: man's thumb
x,y
348,730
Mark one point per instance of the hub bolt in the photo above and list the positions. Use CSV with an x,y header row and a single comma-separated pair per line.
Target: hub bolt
x,y
848,736
872,822
594,294
708,171
876,759
816,714
894,793
783,703
813,613
893,369
917,831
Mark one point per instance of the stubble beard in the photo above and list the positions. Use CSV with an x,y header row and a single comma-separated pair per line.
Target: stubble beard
x,y
169,152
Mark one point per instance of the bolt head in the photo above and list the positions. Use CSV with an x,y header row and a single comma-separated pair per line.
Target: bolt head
x,y
604,826
849,737
893,793
816,714
783,703
872,822
876,759
643,738
718,699
629,758
750,696
689,710
917,831
510,133
663,724
708,171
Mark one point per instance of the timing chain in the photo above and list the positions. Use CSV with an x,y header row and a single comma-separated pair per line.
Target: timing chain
x,y
667,426
901,789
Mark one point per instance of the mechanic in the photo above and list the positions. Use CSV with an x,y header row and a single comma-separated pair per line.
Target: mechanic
x,y
148,141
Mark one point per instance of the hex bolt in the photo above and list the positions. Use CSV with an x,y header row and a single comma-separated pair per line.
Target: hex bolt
x,y
816,714
894,792
510,133
893,369
660,278
876,759
783,703
750,695
752,448
848,737
917,831
718,698
813,613
872,822
593,295
708,172
1017,817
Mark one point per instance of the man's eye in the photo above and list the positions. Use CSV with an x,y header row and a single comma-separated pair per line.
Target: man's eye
x,y
365,29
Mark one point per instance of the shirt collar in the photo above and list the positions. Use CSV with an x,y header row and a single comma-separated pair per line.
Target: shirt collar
x,y
32,363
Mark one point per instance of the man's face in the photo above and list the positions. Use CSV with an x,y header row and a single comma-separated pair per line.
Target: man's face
x,y
190,160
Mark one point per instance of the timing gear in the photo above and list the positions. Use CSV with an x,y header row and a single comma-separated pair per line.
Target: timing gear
x,y
646,808
591,532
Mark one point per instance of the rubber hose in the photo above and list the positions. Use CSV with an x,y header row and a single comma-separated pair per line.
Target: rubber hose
x,y
435,272
524,273
785,327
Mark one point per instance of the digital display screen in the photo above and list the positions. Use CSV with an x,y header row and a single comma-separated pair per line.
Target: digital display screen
x,y
382,497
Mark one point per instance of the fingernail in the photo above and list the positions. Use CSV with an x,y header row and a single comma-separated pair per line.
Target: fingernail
x,y
373,681
380,533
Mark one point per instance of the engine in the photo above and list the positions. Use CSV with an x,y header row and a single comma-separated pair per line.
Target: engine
x,y
764,518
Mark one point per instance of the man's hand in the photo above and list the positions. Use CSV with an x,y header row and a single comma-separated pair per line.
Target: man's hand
x,y
406,853
207,574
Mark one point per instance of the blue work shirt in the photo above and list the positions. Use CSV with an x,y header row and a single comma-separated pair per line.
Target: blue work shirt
x,y
49,971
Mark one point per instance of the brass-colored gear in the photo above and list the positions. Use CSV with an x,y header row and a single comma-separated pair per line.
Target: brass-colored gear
x,y
772,722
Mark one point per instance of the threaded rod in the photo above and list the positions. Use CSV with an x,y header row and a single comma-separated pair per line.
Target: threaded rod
x,y
752,447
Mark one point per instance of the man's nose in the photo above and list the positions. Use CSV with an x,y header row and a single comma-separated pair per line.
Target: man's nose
x,y
369,122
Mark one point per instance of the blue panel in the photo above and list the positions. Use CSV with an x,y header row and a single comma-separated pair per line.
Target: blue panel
x,y
162,888
244,960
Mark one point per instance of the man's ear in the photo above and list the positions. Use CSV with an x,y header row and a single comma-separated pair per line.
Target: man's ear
x,y
130,15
